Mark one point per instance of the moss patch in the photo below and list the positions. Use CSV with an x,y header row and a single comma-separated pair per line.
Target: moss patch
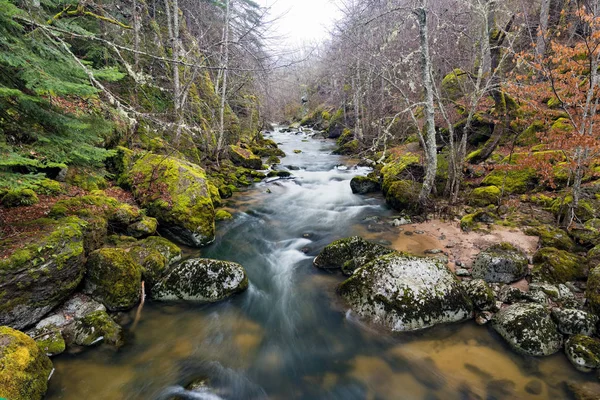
x,y
557,266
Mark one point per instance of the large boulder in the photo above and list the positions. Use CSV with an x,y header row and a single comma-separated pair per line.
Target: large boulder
x,y
113,279
529,329
244,157
558,266
592,292
583,352
24,368
571,321
201,280
551,236
155,255
364,185
403,195
175,192
481,295
500,263
406,293
349,254
43,274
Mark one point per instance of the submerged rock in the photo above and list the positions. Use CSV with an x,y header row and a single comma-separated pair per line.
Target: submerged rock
x,y
176,192
406,293
500,263
583,352
24,368
529,329
574,322
201,280
584,390
349,254
113,278
43,274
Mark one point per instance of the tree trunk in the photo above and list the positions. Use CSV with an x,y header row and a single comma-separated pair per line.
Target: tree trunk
x,y
430,140
544,18
224,67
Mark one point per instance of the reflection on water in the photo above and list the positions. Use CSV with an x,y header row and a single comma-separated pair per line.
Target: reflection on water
x,y
288,336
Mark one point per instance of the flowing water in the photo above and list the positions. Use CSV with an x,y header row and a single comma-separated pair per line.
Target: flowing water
x,y
288,336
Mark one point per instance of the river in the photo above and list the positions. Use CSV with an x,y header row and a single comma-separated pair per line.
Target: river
x,y
288,336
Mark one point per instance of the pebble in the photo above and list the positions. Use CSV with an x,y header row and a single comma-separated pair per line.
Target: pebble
x,y
483,317
409,233
400,222
433,251
420,232
462,272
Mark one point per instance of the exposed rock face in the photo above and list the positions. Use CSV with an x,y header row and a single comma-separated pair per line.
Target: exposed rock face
x,y
574,322
558,266
24,368
40,276
583,352
201,280
113,279
349,254
529,329
175,192
500,263
244,157
406,293
364,185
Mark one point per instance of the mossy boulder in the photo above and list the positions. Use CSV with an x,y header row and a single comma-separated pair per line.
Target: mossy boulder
x,y
593,257
592,292
364,185
223,215
558,266
551,236
49,339
586,210
404,196
176,193
528,329
500,263
113,278
587,235
41,275
481,295
86,178
470,222
24,368
144,227
201,280
244,157
514,181
406,293
399,168
583,352
155,255
572,321
19,197
349,254
455,84
484,196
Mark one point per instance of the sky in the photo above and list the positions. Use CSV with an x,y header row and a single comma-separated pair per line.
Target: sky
x,y
302,21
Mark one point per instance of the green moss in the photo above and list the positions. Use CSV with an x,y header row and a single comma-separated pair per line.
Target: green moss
x,y
396,169
473,157
99,324
484,196
562,124
512,181
470,222
244,157
551,236
273,160
86,179
222,215
113,278
48,187
592,293
19,197
214,194
24,368
557,266
454,84
120,164
145,227
404,196
155,255
49,339
346,137
585,209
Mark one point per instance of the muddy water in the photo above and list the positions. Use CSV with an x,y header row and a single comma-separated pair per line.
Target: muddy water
x,y
288,336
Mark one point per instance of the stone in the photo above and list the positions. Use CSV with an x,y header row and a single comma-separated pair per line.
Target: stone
x,y
583,352
201,280
528,329
244,157
155,255
482,318
49,339
24,368
463,272
40,276
349,254
403,292
592,292
480,294
364,185
558,266
502,263
510,294
145,227
584,390
574,322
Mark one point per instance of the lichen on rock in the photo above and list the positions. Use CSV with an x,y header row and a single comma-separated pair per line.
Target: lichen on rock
x,y
500,263
583,352
349,254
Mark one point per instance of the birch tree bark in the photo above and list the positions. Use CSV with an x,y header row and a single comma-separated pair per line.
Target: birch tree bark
x,y
544,18
224,67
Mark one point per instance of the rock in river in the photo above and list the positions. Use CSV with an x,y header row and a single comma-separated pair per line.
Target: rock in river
x,y
406,293
500,263
201,280
24,368
529,329
583,352
349,254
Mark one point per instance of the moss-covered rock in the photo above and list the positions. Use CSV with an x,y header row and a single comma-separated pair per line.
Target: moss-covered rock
x,y
86,178
155,255
201,280
398,168
244,157
470,222
593,257
557,266
41,275
481,295
19,197
176,193
223,215
406,293
587,235
349,254
404,196
484,196
454,84
583,352
364,185
349,148
592,293
24,368
95,327
48,187
529,329
145,227
571,321
514,181
500,263
113,278
551,236
585,210
49,339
